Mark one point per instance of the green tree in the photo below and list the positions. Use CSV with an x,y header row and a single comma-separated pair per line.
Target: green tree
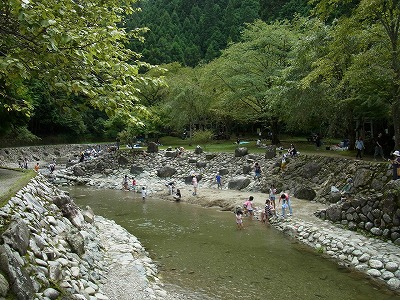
x,y
73,48
246,76
377,23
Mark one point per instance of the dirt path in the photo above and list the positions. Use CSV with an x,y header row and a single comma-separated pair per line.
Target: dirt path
x,y
7,179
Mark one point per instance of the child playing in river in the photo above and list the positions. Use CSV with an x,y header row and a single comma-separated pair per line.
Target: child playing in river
x,y
144,193
239,220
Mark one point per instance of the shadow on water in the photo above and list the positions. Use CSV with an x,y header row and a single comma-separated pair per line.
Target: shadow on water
x,y
200,249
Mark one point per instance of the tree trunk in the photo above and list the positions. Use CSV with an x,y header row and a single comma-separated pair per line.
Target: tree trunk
x,y
396,123
274,131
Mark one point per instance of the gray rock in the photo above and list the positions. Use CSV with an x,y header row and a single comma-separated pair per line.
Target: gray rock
x,y
135,170
4,286
152,147
375,264
374,272
394,283
20,281
241,151
166,172
78,171
76,241
310,169
17,236
376,231
238,183
305,192
270,152
198,150
223,171
51,293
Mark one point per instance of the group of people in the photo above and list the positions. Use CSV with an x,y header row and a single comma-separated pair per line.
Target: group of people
x,y
125,186
269,209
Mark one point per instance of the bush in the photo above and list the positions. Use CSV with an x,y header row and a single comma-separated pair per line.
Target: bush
x,y
202,136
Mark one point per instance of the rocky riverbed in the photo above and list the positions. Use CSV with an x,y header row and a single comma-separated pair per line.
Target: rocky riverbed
x,y
376,257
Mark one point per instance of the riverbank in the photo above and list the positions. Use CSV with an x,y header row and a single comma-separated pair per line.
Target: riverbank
x,y
374,257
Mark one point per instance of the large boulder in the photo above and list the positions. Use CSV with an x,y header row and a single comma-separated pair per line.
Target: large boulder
x,y
310,169
362,177
305,192
198,150
19,279
270,152
223,171
166,172
77,243
17,236
136,170
4,286
241,151
122,160
152,147
238,183
170,154
70,210
247,169
78,171
334,213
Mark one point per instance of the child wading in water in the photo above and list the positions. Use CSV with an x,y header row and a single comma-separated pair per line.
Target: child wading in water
x,y
144,193
239,220
268,212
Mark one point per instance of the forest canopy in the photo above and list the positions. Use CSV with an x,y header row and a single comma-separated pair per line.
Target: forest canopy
x,y
292,66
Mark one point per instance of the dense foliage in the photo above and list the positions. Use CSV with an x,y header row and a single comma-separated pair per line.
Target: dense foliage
x,y
229,66
60,57
190,31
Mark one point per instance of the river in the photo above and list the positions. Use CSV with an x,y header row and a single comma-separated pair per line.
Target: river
x,y
200,249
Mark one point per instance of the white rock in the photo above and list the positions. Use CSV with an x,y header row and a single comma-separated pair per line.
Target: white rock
x,y
387,275
374,272
394,283
375,264
391,266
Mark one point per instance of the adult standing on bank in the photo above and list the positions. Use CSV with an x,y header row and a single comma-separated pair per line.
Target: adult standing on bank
x,y
379,147
285,204
359,147
396,165
318,141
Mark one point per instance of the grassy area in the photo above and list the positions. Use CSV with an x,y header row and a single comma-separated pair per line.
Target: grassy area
x,y
300,142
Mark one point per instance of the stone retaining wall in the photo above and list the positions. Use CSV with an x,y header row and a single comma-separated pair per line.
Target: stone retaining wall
x,y
50,249
378,215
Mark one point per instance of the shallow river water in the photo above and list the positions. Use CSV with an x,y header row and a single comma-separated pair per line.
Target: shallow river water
x,y
201,250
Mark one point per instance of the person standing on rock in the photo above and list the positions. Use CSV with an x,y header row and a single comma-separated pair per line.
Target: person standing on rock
x,y
218,179
272,196
257,171
285,204
396,165
36,168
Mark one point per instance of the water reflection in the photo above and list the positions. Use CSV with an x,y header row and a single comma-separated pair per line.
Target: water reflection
x,y
201,249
